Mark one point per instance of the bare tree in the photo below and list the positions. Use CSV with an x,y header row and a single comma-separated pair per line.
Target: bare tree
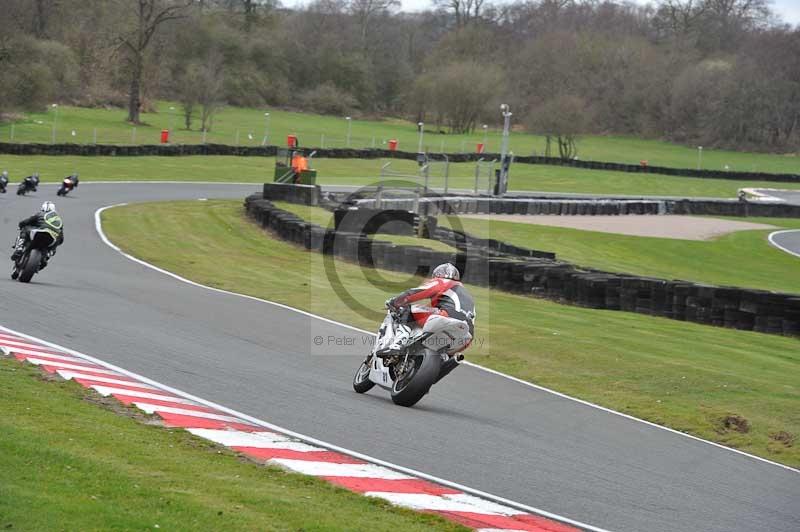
x,y
364,10
464,11
563,117
148,17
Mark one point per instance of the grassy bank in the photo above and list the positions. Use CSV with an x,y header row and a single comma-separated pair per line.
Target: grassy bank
x,y
365,172
68,464
743,258
688,376
249,126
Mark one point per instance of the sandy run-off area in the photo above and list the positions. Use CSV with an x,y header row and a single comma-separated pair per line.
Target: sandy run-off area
x,y
667,226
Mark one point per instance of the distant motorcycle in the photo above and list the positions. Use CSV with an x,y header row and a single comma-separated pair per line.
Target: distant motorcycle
x,y
29,184
40,248
432,352
68,184
3,182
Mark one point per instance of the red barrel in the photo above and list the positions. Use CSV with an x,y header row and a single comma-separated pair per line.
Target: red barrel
x,y
479,148
392,145
164,136
291,141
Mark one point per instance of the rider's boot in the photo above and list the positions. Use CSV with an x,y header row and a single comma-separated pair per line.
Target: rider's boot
x,y
19,247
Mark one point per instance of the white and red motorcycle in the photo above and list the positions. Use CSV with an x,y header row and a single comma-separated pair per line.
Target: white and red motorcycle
x,y
433,350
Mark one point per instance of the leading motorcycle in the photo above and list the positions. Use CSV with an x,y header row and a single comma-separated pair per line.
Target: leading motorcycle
x,y
38,251
68,184
28,184
432,351
3,182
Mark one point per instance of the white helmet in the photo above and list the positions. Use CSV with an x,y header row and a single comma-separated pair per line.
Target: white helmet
x,y
446,271
48,206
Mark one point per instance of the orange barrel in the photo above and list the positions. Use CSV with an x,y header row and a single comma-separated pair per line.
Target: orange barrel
x,y
479,148
291,141
164,136
392,145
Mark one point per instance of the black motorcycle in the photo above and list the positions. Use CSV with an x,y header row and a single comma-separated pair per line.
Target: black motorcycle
x,y
68,184
3,183
29,184
40,247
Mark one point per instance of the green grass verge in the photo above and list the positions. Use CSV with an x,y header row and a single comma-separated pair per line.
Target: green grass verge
x,y
248,127
743,258
320,216
366,172
687,376
69,465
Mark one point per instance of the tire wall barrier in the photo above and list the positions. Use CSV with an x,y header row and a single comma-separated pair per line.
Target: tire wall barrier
x,y
301,194
737,308
347,153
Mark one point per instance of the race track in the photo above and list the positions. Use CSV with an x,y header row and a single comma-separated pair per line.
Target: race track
x,y
476,428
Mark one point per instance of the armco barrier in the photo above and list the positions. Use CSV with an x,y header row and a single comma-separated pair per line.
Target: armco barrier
x,y
348,153
737,308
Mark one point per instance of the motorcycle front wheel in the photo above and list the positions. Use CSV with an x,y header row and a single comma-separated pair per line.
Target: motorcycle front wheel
x,y
417,379
361,382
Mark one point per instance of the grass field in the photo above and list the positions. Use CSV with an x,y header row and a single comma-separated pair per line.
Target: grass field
x,y
250,125
744,258
687,376
364,172
68,464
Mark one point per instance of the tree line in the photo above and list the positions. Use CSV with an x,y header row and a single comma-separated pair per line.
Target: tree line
x,y
713,72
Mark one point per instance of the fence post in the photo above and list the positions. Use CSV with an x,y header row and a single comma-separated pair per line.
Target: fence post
x,y
12,132
322,141
416,199
237,137
477,174
378,196
373,142
133,136
94,136
204,135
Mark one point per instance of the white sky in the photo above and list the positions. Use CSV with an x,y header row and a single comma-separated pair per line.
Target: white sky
x,y
789,10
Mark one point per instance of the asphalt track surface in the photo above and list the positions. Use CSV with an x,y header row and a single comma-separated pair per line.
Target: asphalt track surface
x,y
788,241
789,196
476,428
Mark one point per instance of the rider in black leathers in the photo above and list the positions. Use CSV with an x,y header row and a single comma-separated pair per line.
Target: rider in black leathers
x,y
46,218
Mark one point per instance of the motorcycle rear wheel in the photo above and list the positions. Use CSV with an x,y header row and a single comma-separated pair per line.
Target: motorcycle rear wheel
x,y
409,388
31,266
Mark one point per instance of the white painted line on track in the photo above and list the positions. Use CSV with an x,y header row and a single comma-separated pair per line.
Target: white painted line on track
x,y
775,233
37,353
104,238
404,472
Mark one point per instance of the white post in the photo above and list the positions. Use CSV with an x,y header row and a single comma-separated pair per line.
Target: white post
x,y
322,141
485,136
133,136
349,127
503,184
55,119
373,142
94,136
421,127
462,146
204,135
12,132
699,157
441,147
171,119
237,137
266,128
